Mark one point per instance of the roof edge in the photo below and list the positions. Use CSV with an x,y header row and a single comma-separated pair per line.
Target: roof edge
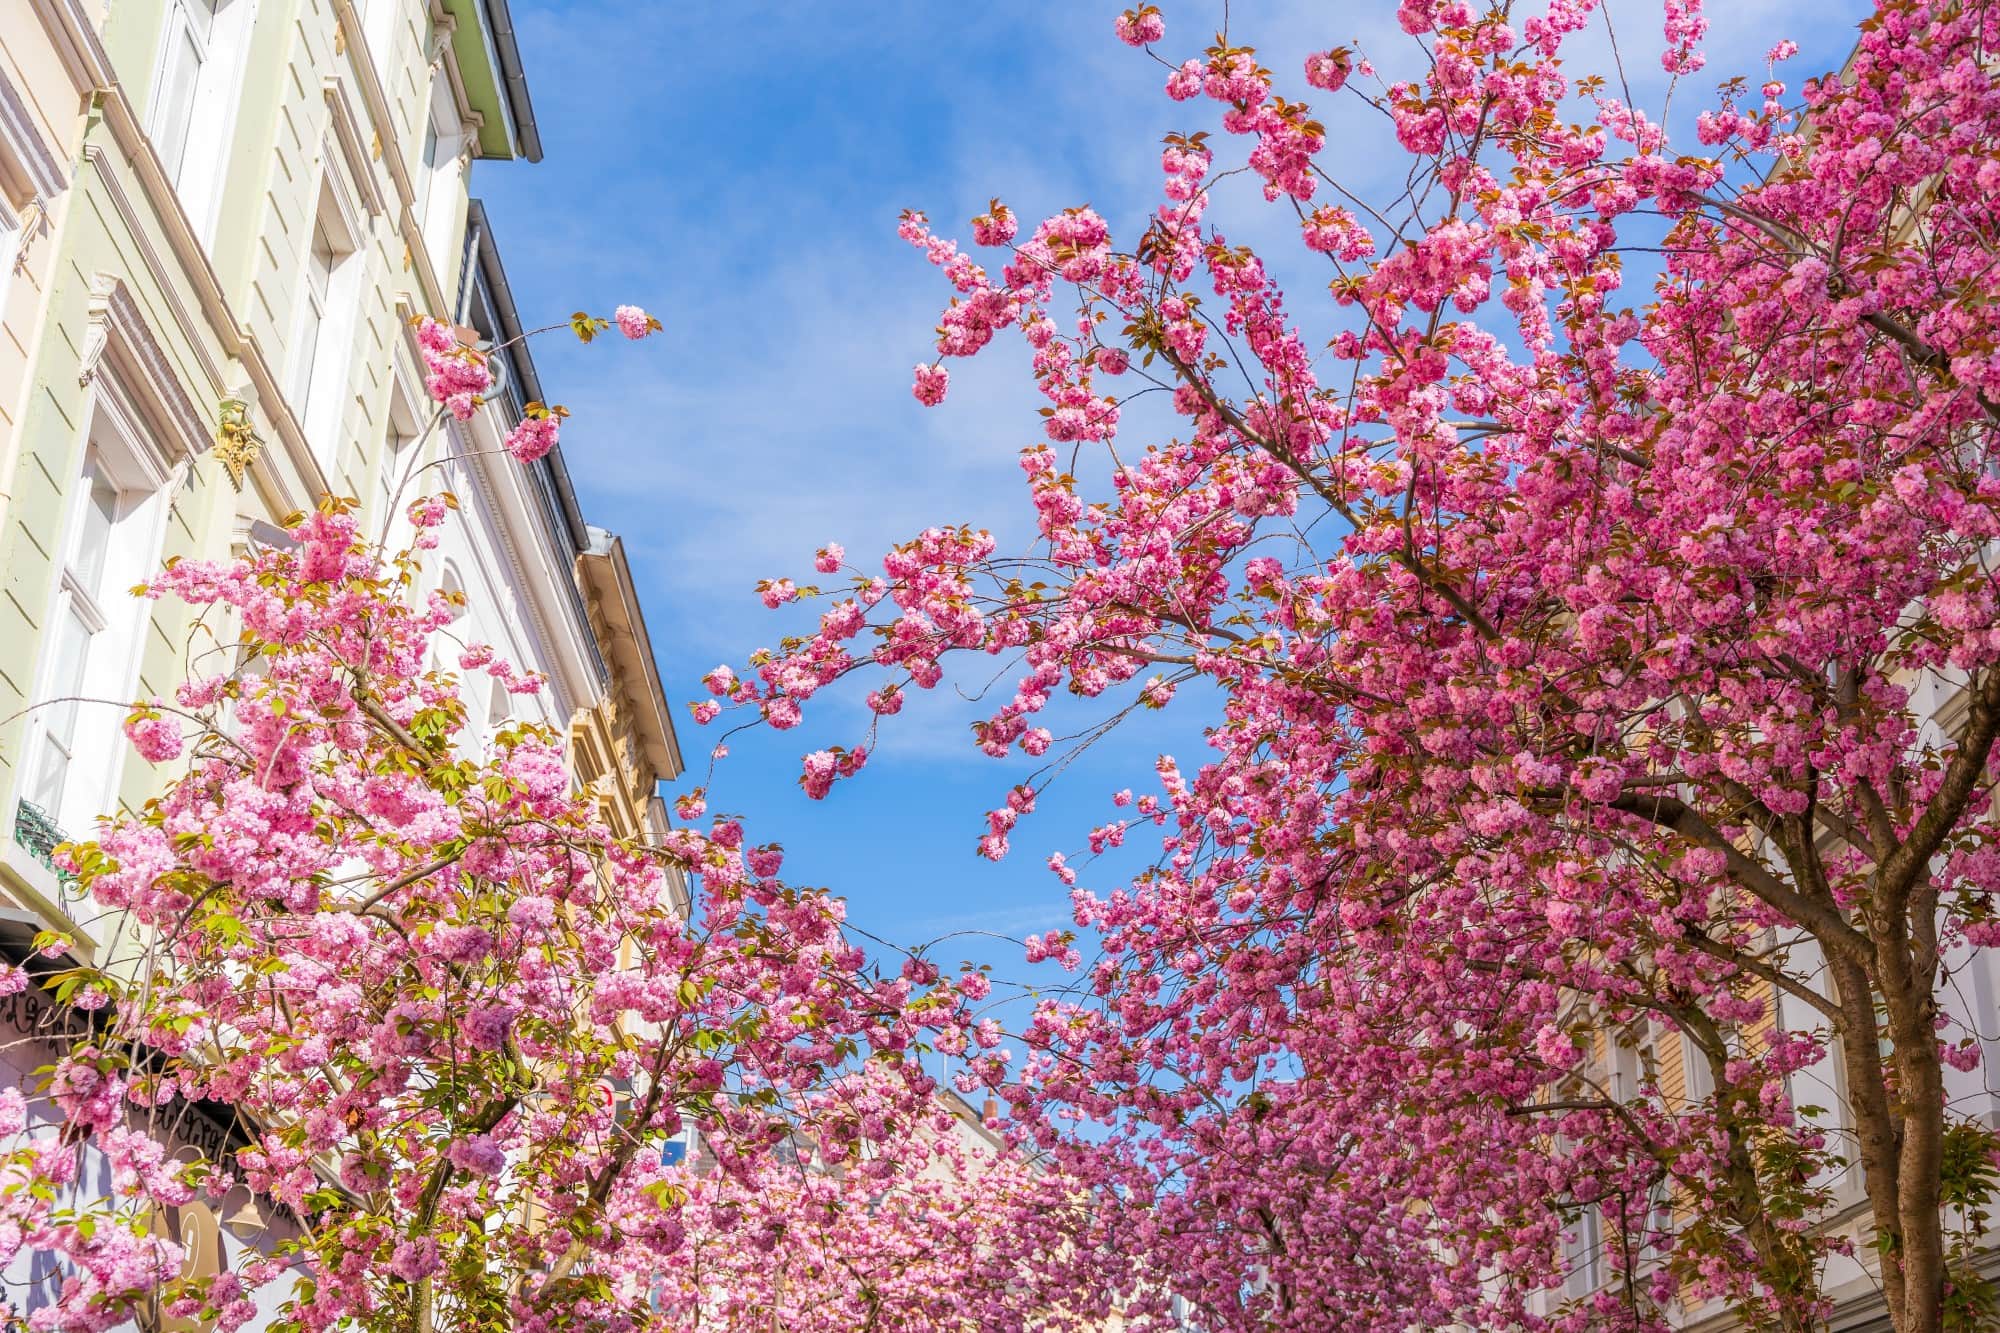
x,y
500,22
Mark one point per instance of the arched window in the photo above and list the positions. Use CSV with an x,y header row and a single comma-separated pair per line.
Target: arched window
x,y
450,584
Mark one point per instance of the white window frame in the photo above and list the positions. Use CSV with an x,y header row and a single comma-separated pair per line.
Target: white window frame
x,y
1634,1059
170,122
1697,1079
316,317
323,331
459,631
499,711
399,458
205,125
1583,1252
117,447
439,148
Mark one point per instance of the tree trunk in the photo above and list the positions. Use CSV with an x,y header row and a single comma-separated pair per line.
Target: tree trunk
x,y
1878,1125
1920,1177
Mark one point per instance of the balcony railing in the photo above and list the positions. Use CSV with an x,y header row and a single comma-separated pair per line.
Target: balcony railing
x,y
37,832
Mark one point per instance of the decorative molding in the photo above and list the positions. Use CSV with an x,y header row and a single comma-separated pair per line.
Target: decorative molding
x,y
347,134
73,31
44,170
344,206
117,331
444,24
237,442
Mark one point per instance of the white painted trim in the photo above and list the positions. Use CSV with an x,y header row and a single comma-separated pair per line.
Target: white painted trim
x,y
171,28
74,36
230,41
346,135
118,331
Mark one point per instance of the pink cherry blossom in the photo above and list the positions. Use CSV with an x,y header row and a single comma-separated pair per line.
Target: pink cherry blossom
x,y
931,384
533,437
633,322
1141,26
157,738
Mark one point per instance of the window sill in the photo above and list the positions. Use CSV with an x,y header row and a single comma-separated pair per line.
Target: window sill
x,y
35,887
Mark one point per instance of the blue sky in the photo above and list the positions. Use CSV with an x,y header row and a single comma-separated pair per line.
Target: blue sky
x,y
738,168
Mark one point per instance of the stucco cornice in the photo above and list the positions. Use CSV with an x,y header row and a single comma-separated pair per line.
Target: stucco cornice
x,y
117,332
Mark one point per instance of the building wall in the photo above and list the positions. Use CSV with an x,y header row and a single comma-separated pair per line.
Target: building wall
x,y
170,271
44,109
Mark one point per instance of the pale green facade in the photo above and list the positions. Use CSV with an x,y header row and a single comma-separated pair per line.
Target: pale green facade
x,y
260,231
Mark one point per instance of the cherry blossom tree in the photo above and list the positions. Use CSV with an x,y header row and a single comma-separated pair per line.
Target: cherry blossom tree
x,y
1572,656
447,1016
911,1221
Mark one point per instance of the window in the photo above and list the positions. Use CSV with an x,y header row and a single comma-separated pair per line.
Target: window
x,y
397,484
1659,1221
190,32
202,48
325,326
1634,1060
79,620
109,539
1700,1079
453,587
319,283
427,165
1583,1243
675,1150
436,172
399,449
446,646
499,709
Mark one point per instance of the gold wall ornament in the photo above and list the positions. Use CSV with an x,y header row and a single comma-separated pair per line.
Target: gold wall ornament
x,y
237,443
